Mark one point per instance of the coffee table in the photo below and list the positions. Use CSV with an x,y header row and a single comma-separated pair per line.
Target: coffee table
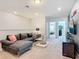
x,y
41,44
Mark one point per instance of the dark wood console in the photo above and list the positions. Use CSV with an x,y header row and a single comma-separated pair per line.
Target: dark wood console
x,y
68,49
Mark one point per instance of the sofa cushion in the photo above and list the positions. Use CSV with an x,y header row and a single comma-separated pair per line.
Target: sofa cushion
x,y
12,38
29,39
23,35
18,36
29,35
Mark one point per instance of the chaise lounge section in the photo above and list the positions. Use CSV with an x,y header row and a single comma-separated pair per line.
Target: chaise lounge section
x,y
19,47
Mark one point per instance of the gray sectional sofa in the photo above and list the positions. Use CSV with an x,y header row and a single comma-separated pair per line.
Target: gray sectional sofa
x,y
24,43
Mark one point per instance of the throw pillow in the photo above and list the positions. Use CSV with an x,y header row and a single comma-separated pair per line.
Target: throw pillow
x,y
12,38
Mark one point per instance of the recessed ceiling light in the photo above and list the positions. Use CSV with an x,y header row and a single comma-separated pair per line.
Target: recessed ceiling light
x,y
15,12
36,14
37,1
59,9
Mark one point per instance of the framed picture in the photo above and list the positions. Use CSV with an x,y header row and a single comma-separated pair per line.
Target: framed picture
x,y
72,24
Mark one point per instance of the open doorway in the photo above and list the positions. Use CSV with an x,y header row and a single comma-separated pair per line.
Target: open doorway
x,y
56,29
61,28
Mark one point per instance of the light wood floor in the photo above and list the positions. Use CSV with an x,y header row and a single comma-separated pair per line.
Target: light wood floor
x,y
52,51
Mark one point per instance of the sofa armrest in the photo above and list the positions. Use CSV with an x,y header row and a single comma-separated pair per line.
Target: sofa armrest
x,y
6,42
36,36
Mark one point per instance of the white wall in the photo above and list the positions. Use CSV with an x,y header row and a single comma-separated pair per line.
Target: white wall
x,y
38,21
12,24
76,19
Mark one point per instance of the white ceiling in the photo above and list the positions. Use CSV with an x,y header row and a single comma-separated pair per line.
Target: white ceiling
x,y
46,8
